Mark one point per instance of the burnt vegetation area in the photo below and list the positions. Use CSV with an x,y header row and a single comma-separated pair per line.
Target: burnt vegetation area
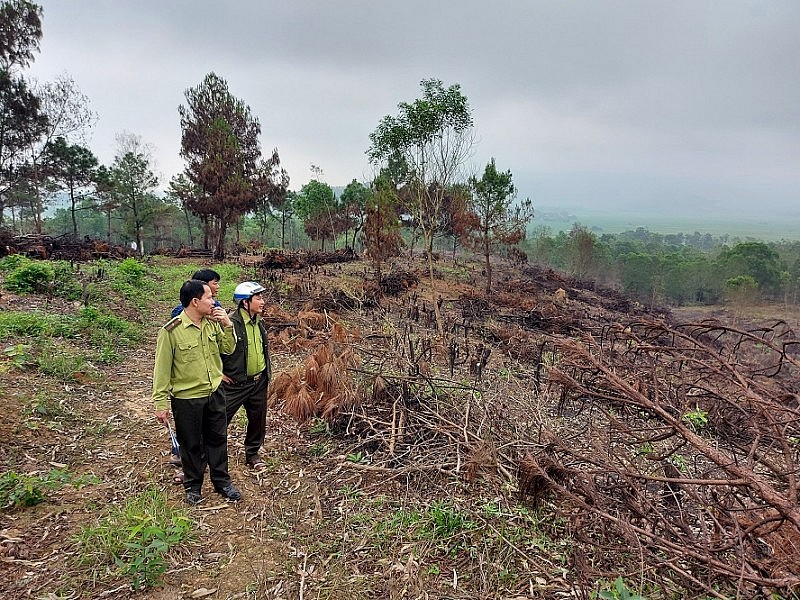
x,y
557,436
667,450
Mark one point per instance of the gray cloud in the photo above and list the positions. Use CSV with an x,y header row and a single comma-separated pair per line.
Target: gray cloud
x,y
593,101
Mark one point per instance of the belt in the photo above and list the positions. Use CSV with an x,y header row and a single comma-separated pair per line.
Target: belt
x,y
253,378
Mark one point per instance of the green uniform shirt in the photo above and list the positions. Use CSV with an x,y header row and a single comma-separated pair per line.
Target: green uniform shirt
x,y
256,363
188,363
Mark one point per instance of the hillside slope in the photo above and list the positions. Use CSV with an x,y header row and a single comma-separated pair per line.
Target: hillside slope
x,y
556,437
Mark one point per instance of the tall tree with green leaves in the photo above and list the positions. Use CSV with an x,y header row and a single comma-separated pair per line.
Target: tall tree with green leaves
x,y
133,185
431,138
354,208
72,168
501,222
220,145
317,207
382,237
21,119
754,259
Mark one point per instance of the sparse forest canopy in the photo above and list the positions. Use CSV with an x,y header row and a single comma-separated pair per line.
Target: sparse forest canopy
x,y
51,184
675,269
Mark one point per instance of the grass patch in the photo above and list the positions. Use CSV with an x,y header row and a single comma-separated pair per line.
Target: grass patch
x,y
59,361
19,490
170,278
104,332
133,541
36,324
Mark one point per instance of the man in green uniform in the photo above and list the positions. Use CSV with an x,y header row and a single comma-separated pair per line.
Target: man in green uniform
x,y
247,369
187,373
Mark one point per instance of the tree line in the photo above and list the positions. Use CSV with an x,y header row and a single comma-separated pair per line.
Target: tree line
x,y
674,269
419,158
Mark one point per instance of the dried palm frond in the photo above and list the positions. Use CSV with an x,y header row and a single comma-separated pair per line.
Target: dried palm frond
x,y
280,384
380,389
311,367
301,404
348,399
339,333
275,313
481,460
330,408
324,354
348,358
312,319
283,338
330,379
536,476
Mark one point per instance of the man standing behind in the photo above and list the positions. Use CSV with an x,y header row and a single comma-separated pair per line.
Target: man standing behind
x,y
212,278
247,369
187,372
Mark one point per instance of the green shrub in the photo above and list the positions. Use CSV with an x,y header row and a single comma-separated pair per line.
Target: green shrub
x,y
20,490
65,282
18,355
31,277
131,272
12,261
134,539
24,324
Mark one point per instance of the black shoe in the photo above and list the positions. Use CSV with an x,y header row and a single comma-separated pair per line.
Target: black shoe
x,y
193,497
230,492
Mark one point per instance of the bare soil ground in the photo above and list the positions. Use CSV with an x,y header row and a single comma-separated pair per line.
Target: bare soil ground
x,y
487,483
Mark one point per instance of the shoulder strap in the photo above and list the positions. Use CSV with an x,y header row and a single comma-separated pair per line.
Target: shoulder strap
x,y
173,324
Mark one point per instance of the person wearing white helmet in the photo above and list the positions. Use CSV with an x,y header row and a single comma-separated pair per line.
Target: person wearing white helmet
x,y
247,370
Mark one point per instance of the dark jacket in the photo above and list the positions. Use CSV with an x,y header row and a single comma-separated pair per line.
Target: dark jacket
x,y
234,365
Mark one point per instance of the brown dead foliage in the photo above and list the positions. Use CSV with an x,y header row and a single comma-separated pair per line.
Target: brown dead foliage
x,y
62,247
396,283
319,387
699,461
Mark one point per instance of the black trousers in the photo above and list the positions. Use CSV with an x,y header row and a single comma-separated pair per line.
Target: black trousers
x,y
201,427
253,396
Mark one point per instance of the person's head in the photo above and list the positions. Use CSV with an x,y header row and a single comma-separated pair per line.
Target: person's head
x,y
196,294
250,296
211,277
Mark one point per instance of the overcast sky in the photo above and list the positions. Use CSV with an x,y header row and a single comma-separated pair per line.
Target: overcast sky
x,y
660,104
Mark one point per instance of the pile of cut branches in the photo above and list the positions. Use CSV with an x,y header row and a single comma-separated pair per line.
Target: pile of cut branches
x,y
688,452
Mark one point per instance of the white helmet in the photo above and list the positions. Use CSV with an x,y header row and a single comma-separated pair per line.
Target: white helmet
x,y
246,290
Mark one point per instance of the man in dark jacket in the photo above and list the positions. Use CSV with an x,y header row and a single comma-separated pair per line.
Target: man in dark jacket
x,y
247,370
